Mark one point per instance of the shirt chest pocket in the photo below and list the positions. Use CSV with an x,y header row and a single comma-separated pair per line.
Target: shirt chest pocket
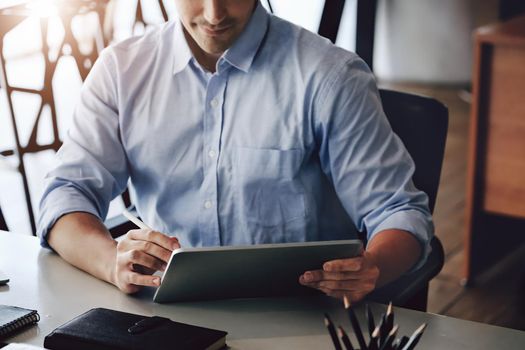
x,y
269,192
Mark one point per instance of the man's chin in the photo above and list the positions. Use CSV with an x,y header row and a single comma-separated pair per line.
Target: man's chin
x,y
215,49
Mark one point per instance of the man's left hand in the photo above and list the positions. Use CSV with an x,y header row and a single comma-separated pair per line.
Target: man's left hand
x,y
354,277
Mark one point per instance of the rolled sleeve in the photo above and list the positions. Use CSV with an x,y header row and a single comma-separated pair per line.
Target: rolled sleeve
x,y
368,164
58,202
418,223
92,165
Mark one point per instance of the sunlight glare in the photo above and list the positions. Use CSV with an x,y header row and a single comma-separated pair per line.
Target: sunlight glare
x,y
43,8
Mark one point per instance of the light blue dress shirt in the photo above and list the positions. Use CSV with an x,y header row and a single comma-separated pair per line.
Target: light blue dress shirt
x,y
286,142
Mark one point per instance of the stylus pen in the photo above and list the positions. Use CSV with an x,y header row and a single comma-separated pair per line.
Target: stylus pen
x,y
135,220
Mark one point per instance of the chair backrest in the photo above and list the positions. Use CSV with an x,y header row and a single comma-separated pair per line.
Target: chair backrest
x,y
421,123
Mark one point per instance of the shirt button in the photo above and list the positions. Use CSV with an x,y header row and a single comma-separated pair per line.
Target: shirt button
x,y
207,204
211,153
214,103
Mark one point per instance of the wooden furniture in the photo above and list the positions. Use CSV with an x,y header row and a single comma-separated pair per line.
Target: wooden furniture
x,y
495,218
60,292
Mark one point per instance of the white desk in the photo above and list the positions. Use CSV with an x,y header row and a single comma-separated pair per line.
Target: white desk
x,y
41,280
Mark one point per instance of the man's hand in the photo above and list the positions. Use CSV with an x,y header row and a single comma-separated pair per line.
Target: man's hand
x,y
388,255
355,277
139,255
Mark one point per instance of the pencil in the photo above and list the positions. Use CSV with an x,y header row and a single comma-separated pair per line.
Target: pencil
x,y
387,345
374,339
135,220
401,342
387,323
389,318
415,337
344,338
330,326
371,322
355,323
383,329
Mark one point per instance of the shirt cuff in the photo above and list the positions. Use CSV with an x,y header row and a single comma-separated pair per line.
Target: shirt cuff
x,y
415,222
57,203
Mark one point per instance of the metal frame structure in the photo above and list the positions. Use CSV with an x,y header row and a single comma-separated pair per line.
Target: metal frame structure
x,y
139,18
365,25
9,19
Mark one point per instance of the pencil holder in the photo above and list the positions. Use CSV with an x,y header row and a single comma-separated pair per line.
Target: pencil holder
x,y
382,335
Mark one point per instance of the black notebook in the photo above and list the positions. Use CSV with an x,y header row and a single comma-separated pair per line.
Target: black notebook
x,y
105,329
13,319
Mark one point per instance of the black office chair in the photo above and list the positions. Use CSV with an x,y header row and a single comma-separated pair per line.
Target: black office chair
x,y
119,225
3,224
421,123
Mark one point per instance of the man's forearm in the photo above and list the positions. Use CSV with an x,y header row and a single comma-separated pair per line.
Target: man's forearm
x,y
83,241
394,252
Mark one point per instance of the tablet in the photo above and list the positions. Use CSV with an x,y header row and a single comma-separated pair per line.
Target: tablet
x,y
247,271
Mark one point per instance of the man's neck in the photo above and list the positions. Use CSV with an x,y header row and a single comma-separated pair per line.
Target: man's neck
x,y
206,60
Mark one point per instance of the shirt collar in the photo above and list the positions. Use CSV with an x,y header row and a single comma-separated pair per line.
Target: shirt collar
x,y
240,55
243,51
182,53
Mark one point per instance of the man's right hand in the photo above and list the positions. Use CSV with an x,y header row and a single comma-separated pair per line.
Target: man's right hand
x,y
139,255
82,240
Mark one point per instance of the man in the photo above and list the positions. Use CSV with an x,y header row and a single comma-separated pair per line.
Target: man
x,y
234,127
